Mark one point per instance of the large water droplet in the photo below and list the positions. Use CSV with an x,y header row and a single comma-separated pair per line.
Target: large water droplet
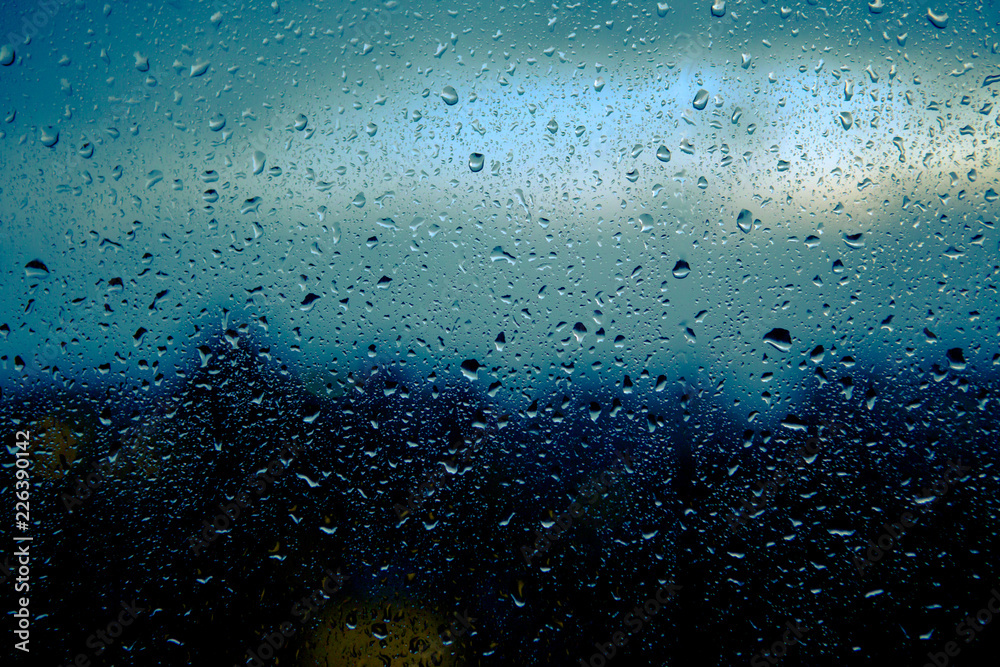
x,y
360,200
876,6
718,8
846,119
552,126
681,269
36,269
476,162
49,136
938,19
300,122
216,122
744,221
449,95
701,99
6,55
779,338
663,154
258,161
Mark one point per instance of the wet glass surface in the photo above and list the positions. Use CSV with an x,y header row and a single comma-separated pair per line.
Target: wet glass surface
x,y
422,333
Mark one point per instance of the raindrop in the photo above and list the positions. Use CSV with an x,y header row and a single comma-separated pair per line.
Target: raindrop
x,y
449,95
719,8
359,200
470,369
876,6
956,359
701,99
816,356
681,269
216,122
663,154
744,220
552,126
632,175
371,129
854,240
36,269
6,55
939,20
49,136
476,162
846,119
307,303
599,84
780,339
258,161
86,150
300,122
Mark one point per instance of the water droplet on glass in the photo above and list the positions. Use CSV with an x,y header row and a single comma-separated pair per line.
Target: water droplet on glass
x,y
938,19
300,122
846,119
470,369
701,99
360,200
476,162
744,221
663,154
552,126
854,240
718,8
216,122
779,338
6,55
681,269
258,161
36,269
86,151
371,129
599,84
308,302
632,175
49,136
449,95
